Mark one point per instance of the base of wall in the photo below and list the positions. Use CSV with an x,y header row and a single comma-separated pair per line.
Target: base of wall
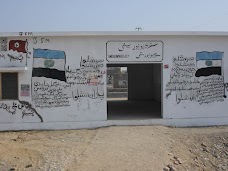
x,y
96,124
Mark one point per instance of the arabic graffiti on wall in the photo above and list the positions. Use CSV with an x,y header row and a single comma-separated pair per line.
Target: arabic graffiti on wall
x,y
25,33
22,107
13,52
48,93
88,80
89,73
194,78
134,51
41,40
53,85
48,69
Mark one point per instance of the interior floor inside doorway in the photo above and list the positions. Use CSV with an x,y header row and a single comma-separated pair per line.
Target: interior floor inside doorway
x,y
133,110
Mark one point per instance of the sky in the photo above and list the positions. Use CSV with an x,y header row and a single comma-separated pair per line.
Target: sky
x,y
113,15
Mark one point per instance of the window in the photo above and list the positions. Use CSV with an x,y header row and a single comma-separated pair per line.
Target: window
x,y
9,86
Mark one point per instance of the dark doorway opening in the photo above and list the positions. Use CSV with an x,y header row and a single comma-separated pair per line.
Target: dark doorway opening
x,y
134,91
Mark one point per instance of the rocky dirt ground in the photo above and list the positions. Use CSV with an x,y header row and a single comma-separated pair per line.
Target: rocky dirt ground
x,y
154,148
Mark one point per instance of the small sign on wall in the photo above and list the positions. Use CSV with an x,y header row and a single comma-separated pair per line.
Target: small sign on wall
x,y
134,51
25,90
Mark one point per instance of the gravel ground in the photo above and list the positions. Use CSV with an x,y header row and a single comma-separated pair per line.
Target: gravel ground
x,y
154,148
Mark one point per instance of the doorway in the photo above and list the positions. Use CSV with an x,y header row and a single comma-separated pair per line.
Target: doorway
x,y
134,91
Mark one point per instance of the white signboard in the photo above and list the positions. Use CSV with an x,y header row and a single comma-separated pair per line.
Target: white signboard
x,y
134,51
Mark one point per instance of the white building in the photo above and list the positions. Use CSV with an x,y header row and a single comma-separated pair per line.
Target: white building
x,y
57,80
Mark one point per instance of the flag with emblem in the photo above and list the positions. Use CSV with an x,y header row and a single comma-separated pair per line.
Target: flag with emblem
x,y
18,45
209,63
49,63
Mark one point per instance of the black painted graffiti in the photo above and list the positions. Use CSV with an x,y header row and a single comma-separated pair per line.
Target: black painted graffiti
x,y
90,62
48,70
194,79
8,57
85,82
33,110
88,78
226,86
25,33
211,90
41,40
11,109
94,93
15,52
89,73
50,94
23,106
15,58
182,79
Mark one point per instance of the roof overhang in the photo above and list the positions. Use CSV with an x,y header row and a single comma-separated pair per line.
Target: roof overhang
x,y
13,69
115,33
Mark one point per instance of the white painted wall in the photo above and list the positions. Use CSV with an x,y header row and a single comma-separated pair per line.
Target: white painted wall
x,y
157,82
92,105
188,46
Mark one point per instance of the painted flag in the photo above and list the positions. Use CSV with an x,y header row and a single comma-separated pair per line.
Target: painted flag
x,y
18,45
49,64
209,63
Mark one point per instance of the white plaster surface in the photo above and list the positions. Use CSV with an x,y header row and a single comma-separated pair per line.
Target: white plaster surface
x,y
96,124
86,106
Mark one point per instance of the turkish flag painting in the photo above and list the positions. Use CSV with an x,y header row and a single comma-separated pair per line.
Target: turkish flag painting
x,y
17,45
